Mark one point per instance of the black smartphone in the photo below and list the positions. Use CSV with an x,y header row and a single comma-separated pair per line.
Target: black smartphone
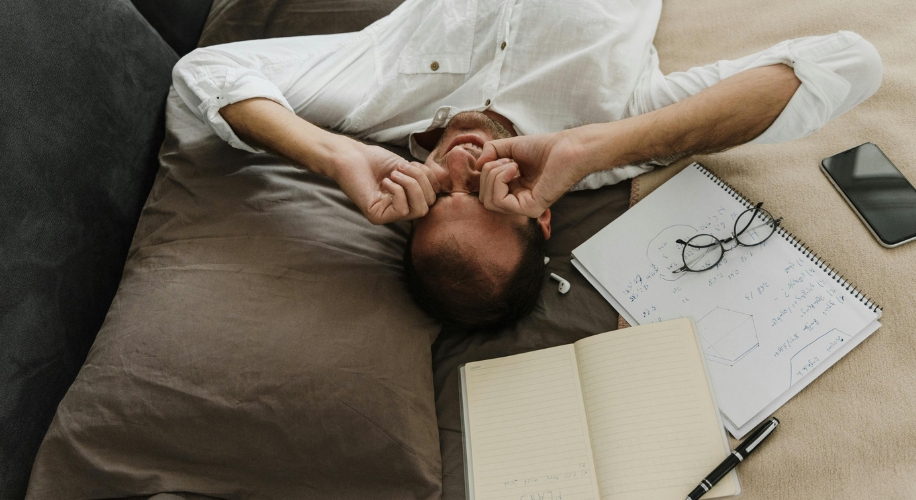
x,y
877,191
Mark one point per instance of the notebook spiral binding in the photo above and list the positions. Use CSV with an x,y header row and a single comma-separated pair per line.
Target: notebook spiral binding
x,y
794,241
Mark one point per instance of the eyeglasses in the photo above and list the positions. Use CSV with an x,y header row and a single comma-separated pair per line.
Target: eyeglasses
x,y
705,251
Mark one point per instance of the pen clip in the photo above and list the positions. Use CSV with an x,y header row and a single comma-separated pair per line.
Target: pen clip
x,y
765,433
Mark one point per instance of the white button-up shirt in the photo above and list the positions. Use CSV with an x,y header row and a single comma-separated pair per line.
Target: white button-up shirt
x,y
544,65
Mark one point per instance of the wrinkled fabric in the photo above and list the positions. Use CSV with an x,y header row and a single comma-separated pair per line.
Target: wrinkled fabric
x,y
836,71
262,345
546,66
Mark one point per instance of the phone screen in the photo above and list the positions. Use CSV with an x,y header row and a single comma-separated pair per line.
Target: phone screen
x,y
885,200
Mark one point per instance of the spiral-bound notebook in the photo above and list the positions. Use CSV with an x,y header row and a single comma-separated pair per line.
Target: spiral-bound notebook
x,y
771,318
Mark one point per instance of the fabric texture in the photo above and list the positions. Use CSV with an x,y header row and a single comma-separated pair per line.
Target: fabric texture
x,y
428,60
413,70
852,432
238,20
81,119
178,22
262,344
871,403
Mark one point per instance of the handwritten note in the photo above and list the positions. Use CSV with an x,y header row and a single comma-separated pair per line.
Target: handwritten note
x,y
768,315
528,430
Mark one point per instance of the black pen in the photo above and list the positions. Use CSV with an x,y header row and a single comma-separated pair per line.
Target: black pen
x,y
741,452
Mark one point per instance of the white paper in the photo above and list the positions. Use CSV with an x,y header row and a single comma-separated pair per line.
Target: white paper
x,y
740,432
769,317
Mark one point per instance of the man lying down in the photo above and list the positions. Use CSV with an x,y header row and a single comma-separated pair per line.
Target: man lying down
x,y
510,104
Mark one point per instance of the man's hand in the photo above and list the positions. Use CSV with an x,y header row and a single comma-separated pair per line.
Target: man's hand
x,y
385,187
525,175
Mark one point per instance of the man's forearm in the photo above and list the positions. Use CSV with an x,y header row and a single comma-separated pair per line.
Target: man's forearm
x,y
731,112
268,125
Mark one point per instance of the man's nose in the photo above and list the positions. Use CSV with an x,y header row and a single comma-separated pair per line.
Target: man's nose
x,y
463,172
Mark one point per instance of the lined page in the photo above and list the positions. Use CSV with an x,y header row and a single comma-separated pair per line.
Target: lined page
x,y
529,436
654,427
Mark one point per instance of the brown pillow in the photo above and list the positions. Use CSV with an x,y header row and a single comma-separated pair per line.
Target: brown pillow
x,y
262,344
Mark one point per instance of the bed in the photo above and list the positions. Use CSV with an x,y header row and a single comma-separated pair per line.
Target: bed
x,y
252,352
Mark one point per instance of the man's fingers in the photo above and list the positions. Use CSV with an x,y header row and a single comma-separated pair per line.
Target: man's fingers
x,y
417,201
496,196
504,193
433,181
398,197
489,154
485,176
419,173
489,190
495,150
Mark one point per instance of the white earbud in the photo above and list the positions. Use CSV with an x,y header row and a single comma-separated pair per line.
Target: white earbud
x,y
564,285
546,260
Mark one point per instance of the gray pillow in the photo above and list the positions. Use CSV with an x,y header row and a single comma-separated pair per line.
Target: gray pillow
x,y
262,344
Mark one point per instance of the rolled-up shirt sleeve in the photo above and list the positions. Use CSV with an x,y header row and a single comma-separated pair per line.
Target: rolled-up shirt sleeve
x,y
836,71
209,78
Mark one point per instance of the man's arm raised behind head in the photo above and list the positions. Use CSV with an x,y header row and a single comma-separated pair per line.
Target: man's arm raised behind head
x,y
242,91
384,186
704,109
732,112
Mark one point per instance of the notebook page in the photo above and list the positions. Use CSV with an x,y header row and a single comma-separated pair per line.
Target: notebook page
x,y
770,317
529,436
654,426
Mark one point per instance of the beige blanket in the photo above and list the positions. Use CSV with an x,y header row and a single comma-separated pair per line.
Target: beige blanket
x,y
851,433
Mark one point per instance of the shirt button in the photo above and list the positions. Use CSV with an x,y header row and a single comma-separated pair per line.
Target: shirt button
x,y
434,66
487,103
503,46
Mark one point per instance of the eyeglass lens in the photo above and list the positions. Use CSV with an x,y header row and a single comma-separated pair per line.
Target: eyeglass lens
x,y
754,226
702,252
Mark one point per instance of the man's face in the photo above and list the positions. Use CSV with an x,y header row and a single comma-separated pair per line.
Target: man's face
x,y
461,143
458,215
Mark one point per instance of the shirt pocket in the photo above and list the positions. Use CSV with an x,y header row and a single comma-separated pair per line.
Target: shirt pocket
x,y
443,41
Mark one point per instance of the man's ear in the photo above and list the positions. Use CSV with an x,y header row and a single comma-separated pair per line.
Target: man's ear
x,y
544,222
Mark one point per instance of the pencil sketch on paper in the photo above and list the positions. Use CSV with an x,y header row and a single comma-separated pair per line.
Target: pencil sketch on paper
x,y
808,357
664,253
727,335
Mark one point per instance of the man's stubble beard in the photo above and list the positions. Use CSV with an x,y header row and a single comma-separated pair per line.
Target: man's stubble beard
x,y
470,120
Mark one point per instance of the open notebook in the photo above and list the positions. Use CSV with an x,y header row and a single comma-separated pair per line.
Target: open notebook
x,y
624,415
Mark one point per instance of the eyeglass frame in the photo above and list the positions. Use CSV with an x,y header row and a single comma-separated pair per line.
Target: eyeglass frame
x,y
721,242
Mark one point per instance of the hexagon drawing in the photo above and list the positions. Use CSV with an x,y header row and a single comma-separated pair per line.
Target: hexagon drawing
x,y
727,335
